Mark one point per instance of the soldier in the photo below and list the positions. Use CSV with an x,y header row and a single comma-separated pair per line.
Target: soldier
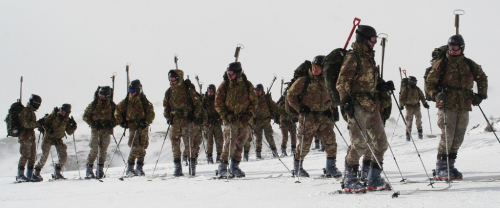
x,y
287,125
363,92
182,109
235,101
410,97
27,139
213,129
450,83
54,127
315,118
99,115
136,113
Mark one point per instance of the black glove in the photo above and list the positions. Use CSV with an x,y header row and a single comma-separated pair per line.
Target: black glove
x,y
304,109
97,124
141,124
336,115
109,124
440,96
401,107
170,121
124,124
348,105
328,113
477,99
385,86
72,121
42,122
426,105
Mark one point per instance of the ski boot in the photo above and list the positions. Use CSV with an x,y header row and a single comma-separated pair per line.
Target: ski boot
x,y
210,160
420,134
217,158
245,156
316,145
58,174
351,181
130,169
375,181
20,175
192,167
185,160
365,168
223,170
90,172
323,147
298,170
138,168
442,169
258,155
178,168
274,153
29,174
453,158
235,169
283,152
407,136
331,171
36,176
100,171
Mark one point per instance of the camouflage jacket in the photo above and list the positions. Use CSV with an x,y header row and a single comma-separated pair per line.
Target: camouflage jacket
x,y
209,106
135,110
410,97
264,108
360,82
60,125
177,103
103,112
459,79
235,98
285,118
27,118
316,96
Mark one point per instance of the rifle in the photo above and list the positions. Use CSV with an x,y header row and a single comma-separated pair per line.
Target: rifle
x,y
113,88
237,52
269,89
458,12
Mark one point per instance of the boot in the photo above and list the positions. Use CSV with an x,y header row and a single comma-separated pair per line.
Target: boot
x,y
100,171
185,160
223,170
217,158
210,160
177,168
375,181
420,135
235,169
351,181
138,168
36,176
365,168
407,136
29,173
275,153
442,169
322,149
58,174
20,175
297,168
192,167
453,158
283,152
316,144
90,172
245,156
331,169
258,156
293,149
130,169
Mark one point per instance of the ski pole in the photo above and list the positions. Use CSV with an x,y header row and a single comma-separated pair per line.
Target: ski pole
x,y
395,126
491,127
429,115
166,134
76,154
190,150
335,124
229,153
382,43
355,23
301,146
114,152
255,133
446,139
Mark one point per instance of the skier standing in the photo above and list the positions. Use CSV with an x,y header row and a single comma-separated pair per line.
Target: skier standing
x,y
27,139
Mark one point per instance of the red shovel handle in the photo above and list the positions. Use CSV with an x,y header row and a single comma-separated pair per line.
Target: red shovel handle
x,y
355,23
404,72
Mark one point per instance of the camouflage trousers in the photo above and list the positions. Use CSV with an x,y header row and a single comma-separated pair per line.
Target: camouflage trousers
x,y
373,128
235,137
27,148
410,113
191,136
98,147
318,126
138,141
213,133
285,128
268,133
456,125
61,150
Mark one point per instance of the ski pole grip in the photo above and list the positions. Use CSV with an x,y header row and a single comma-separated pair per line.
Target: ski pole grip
x,y
355,23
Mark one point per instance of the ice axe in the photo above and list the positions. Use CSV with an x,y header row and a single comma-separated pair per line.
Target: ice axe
x,y
457,13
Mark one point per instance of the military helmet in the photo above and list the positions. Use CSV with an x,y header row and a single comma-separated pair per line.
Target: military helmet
x,y
106,90
172,74
364,33
412,79
135,86
260,87
318,60
66,108
35,101
235,67
457,40
211,86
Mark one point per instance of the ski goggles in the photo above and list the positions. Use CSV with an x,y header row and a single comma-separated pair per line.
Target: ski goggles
x,y
454,48
131,90
373,39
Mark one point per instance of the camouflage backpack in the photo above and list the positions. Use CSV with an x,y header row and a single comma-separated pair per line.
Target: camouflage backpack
x,y
331,69
301,71
404,85
12,119
188,85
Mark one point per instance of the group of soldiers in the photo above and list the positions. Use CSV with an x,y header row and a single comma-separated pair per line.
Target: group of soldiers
x,y
245,112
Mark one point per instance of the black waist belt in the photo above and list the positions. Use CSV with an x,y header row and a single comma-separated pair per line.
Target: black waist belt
x,y
447,88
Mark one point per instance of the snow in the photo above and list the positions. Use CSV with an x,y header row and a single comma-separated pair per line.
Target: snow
x,y
65,49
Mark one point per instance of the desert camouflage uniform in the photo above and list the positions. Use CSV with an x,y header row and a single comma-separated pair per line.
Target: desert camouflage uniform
x,y
102,113
459,79
27,138
213,129
262,121
138,138
178,108
60,125
288,124
360,82
317,123
410,98
237,99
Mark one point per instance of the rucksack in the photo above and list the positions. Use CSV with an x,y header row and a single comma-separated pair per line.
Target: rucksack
x,y
331,69
187,84
96,98
404,85
301,71
438,54
13,122
245,80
